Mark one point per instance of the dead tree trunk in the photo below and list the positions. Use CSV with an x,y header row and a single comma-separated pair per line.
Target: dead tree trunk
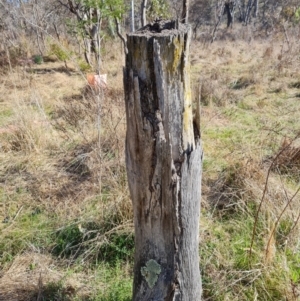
x,y
164,163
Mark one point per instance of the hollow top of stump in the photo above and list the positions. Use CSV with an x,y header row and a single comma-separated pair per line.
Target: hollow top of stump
x,y
161,28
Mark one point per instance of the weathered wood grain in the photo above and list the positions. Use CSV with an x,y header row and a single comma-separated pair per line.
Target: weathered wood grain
x,y
164,163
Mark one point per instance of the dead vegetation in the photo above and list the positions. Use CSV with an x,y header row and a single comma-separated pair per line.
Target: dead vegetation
x,y
62,164
65,207
251,170
32,276
287,160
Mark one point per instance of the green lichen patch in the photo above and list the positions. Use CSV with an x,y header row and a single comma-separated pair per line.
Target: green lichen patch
x,y
151,272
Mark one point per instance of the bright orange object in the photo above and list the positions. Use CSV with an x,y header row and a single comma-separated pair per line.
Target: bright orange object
x,y
97,81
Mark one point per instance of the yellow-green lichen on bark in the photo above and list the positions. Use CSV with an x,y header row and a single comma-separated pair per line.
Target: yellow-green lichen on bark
x,y
177,52
151,272
188,133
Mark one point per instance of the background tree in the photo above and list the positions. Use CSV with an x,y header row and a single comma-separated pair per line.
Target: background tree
x,y
158,9
89,17
229,7
32,20
143,12
185,11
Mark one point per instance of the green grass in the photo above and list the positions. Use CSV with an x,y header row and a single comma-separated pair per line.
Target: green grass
x,y
118,285
230,273
5,114
30,228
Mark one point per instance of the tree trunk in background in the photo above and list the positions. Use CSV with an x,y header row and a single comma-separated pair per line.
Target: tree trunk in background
x,y
143,12
132,16
229,11
256,8
248,11
164,163
185,11
87,51
221,13
123,39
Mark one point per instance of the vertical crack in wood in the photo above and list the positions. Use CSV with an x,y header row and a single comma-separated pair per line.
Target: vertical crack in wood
x,y
137,104
197,119
160,83
129,82
156,184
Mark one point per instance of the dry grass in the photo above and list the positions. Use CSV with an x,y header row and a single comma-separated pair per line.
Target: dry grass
x,y
62,162
63,178
249,109
32,274
288,160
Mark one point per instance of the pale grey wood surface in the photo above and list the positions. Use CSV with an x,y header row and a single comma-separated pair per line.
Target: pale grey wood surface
x,y
164,164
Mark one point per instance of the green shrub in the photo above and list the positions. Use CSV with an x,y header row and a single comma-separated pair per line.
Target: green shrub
x,y
59,52
84,66
38,59
119,247
66,240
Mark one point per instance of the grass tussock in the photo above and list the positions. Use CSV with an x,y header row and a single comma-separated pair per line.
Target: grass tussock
x,y
287,159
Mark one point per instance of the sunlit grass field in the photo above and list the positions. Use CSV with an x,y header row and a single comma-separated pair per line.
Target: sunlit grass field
x,y
66,230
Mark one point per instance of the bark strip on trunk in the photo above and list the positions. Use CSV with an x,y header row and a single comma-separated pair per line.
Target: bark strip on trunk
x,y
164,163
